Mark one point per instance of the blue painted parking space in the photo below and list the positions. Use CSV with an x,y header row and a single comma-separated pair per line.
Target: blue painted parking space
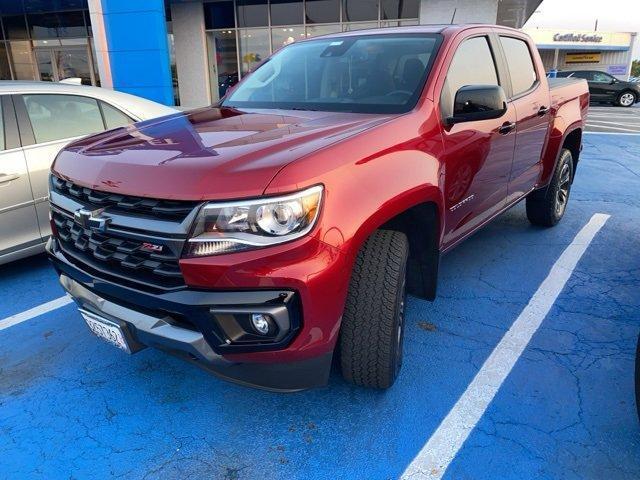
x,y
74,407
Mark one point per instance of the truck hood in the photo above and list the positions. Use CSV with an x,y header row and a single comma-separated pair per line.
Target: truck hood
x,y
207,154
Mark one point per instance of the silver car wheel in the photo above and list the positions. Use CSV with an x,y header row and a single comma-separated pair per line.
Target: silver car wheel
x,y
627,99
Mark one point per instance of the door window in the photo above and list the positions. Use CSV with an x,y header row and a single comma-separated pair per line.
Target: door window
x,y
600,77
472,64
114,118
54,117
520,64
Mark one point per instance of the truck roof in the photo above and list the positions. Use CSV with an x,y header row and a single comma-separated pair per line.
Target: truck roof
x,y
433,28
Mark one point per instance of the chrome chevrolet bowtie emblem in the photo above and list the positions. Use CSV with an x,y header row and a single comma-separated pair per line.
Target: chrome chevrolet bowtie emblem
x,y
92,219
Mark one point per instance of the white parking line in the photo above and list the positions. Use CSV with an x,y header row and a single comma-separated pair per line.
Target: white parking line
x,y
608,127
611,133
34,312
434,458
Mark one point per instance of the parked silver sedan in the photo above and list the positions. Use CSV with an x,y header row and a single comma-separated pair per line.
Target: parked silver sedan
x,y
37,119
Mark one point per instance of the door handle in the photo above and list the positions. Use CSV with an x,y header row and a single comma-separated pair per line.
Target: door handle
x,y
4,178
507,127
542,111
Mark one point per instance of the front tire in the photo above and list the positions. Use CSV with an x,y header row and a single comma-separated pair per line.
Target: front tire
x,y
626,99
372,331
546,207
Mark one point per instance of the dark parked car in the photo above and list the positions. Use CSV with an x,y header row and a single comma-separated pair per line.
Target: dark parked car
x,y
605,88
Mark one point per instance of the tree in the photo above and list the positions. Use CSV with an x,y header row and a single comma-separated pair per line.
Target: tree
x,y
635,68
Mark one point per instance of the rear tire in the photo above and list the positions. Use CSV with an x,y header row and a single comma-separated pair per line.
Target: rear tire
x,y
626,99
372,331
546,207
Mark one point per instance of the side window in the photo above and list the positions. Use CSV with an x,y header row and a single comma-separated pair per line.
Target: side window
x,y
584,75
520,64
114,118
472,64
55,117
601,77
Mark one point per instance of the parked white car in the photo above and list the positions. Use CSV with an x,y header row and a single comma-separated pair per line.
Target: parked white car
x,y
37,119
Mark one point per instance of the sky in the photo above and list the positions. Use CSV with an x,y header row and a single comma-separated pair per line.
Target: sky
x,y
612,16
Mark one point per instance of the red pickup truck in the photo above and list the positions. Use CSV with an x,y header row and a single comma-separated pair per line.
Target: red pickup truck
x,y
278,230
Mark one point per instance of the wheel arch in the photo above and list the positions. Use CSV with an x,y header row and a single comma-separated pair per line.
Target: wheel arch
x,y
572,142
421,221
421,224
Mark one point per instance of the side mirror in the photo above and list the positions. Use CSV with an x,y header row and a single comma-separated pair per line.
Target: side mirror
x,y
612,81
478,102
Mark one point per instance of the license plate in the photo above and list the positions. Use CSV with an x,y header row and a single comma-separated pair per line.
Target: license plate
x,y
106,329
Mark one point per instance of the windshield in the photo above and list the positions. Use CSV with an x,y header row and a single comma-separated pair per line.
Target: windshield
x,y
366,73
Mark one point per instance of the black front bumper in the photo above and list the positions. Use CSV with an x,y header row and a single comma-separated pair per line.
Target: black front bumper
x,y
184,322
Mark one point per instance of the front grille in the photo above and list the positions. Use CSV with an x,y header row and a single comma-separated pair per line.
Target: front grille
x,y
164,209
119,254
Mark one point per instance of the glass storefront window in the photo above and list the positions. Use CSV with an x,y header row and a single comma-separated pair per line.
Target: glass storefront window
x,y
15,27
218,15
348,27
360,10
52,25
223,61
322,11
23,66
254,47
234,49
5,70
38,6
317,30
286,12
45,65
395,9
285,36
252,13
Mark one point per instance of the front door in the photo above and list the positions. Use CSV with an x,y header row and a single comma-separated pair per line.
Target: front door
x,y
60,63
602,86
478,154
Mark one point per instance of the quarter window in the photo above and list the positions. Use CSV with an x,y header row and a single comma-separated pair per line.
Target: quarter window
x,y
520,64
472,64
114,118
54,117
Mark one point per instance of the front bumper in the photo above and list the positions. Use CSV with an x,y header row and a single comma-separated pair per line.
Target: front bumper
x,y
174,321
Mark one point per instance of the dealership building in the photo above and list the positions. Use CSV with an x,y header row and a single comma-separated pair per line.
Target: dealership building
x,y
609,52
189,52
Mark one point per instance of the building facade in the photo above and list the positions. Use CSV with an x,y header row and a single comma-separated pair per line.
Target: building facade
x,y
609,52
189,52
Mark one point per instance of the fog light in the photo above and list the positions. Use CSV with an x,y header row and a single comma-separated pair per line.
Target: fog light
x,y
261,323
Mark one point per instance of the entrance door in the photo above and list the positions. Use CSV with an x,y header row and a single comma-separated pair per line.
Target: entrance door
x,y
59,63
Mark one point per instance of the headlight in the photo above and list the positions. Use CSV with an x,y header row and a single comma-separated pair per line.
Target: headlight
x,y
225,227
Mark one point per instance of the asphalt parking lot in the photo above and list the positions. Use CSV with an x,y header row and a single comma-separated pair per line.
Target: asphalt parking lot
x,y
72,406
610,119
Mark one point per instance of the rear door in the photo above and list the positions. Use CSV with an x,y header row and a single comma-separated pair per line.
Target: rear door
x,y
530,96
478,154
18,221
